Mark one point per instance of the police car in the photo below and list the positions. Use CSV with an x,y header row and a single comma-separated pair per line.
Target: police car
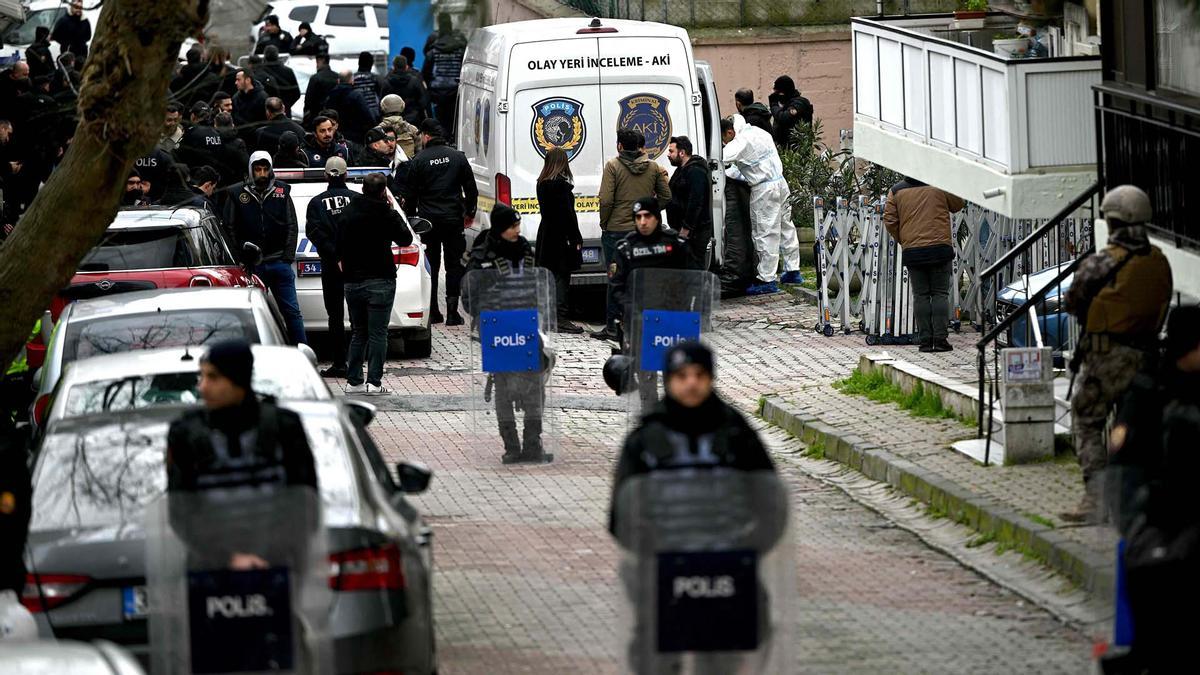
x,y
531,86
408,329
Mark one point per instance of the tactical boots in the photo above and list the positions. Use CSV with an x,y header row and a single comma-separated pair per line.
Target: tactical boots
x,y
512,444
452,316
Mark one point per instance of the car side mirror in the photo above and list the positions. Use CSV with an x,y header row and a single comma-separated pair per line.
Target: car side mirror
x,y
308,353
414,477
361,412
420,226
251,254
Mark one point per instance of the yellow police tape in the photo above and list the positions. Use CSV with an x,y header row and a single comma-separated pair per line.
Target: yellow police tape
x,y
583,204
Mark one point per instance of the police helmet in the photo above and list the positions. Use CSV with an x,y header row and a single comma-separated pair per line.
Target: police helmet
x,y
1127,203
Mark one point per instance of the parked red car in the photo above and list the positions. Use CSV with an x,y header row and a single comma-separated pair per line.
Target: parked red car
x,y
146,249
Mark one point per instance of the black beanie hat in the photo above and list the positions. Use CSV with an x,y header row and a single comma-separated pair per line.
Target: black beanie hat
x,y
785,84
233,359
647,204
431,127
686,354
504,217
1183,331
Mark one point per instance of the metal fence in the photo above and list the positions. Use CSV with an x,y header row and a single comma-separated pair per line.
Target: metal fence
x,y
751,13
862,285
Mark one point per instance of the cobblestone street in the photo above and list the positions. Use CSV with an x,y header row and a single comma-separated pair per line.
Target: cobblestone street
x,y
525,571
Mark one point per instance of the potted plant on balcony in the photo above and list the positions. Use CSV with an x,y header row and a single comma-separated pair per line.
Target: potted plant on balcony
x,y
1010,45
970,14
971,9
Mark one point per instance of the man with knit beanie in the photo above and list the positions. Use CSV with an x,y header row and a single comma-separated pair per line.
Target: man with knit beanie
x,y
502,277
236,439
696,495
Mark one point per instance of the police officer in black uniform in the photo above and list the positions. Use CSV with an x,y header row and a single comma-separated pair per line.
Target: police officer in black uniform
x,y
650,245
441,189
692,426
502,248
1153,465
321,228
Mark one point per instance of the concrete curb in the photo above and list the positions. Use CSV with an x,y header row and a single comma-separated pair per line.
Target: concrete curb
x,y
963,399
1084,567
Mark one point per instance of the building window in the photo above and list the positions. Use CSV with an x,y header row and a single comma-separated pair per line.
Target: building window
x,y
1177,33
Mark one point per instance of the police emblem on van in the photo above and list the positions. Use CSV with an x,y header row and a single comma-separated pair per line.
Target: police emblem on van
x,y
647,113
558,123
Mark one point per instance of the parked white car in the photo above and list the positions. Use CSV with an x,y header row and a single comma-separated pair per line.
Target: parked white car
x,y
101,385
408,329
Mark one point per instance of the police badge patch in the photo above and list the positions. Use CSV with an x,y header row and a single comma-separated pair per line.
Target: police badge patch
x,y
647,113
558,123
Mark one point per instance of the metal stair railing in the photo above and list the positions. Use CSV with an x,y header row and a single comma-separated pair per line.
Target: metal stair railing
x,y
1047,326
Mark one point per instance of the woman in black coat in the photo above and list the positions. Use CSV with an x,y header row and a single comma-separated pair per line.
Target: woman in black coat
x,y
559,244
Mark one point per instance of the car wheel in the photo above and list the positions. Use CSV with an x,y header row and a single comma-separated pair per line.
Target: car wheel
x,y
418,347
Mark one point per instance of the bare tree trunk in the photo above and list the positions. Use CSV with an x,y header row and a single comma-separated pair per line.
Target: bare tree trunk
x,y
121,106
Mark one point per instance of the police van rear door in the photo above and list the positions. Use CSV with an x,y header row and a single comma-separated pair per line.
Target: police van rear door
x,y
554,101
710,149
646,84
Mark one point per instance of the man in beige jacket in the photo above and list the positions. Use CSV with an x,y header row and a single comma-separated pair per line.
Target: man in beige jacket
x,y
918,216
627,178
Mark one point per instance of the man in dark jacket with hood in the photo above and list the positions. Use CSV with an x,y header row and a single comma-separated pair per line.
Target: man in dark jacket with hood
x,y
308,43
366,230
354,115
38,56
319,85
321,227
441,189
788,108
260,211
406,83
196,82
72,31
282,76
250,103
444,51
690,210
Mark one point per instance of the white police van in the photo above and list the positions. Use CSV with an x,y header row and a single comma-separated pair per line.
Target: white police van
x,y
530,86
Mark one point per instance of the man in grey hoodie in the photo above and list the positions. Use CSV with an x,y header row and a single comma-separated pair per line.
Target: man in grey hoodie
x,y
628,177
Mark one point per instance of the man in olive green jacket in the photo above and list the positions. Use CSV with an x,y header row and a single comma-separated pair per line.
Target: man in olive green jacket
x,y
627,178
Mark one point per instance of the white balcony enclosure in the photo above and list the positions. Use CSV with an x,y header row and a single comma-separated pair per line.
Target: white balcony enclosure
x,y
1016,136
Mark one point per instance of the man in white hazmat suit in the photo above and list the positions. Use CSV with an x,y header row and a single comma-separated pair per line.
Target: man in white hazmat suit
x,y
751,156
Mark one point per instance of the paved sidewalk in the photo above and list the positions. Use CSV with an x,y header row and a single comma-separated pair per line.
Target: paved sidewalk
x,y
1027,497
525,570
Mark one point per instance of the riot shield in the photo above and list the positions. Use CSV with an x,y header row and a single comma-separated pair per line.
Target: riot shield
x,y
237,581
706,570
513,320
664,307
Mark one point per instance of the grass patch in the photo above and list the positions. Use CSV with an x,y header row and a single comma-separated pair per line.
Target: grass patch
x,y
877,387
1041,520
981,540
815,451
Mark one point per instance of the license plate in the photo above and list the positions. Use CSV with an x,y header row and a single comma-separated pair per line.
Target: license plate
x,y
309,268
133,602
591,255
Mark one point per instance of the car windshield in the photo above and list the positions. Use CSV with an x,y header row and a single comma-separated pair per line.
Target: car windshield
x,y
130,332
139,249
24,33
102,474
146,391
